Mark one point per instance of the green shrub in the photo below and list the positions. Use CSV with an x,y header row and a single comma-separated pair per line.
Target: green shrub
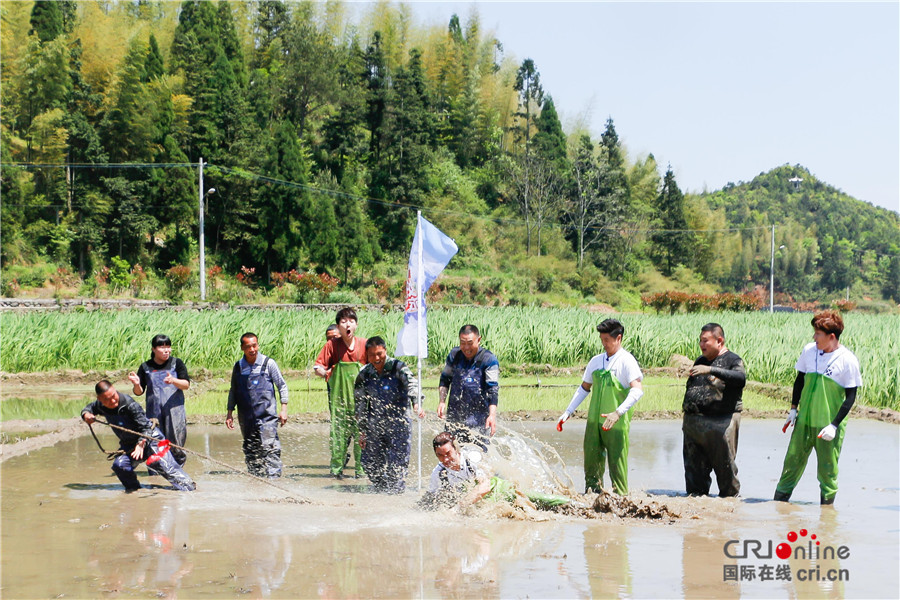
x,y
119,275
29,276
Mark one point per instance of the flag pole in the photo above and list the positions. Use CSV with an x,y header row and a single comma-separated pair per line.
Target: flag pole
x,y
420,275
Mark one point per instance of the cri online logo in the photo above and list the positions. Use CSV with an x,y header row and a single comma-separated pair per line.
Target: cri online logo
x,y
813,548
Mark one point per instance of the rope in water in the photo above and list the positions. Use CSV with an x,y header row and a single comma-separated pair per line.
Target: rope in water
x,y
111,455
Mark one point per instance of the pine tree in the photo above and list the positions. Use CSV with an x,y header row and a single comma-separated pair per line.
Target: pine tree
x,y
286,221
674,242
153,67
46,20
549,139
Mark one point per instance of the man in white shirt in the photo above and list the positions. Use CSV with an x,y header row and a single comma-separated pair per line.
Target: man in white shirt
x,y
613,379
824,391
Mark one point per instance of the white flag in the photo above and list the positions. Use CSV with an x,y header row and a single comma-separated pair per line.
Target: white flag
x,y
431,251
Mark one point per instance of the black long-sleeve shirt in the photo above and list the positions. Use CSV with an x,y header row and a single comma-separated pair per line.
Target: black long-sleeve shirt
x,y
719,392
129,414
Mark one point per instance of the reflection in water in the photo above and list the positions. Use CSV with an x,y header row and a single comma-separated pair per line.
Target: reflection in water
x,y
606,555
232,536
815,558
703,565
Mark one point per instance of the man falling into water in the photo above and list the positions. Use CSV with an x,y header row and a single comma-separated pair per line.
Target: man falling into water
x,y
824,392
461,479
339,363
469,389
613,379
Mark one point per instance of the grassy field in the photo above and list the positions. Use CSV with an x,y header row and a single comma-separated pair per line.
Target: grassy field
x,y
308,396
525,339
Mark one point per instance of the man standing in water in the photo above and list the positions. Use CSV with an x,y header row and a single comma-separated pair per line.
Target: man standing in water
x,y
165,379
384,391
712,415
824,391
339,363
253,382
141,443
615,378
471,379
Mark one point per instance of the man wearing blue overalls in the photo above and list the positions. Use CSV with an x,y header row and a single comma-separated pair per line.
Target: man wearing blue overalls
x,y
471,379
385,390
253,383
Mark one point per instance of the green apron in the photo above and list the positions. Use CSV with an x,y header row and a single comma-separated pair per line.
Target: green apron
x,y
343,416
819,404
607,393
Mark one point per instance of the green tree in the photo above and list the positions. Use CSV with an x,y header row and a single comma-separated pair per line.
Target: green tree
x,y
153,67
531,94
285,213
549,139
46,20
399,175
673,241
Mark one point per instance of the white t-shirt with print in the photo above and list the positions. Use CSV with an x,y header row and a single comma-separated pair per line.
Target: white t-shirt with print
x,y
841,366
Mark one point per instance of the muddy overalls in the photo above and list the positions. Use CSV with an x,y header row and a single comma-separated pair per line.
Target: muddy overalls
x,y
343,416
165,403
607,393
258,418
467,407
388,430
819,403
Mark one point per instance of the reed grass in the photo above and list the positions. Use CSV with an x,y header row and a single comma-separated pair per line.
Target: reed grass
x,y
519,336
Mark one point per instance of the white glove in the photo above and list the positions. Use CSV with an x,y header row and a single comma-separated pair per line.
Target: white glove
x,y
791,420
562,419
828,432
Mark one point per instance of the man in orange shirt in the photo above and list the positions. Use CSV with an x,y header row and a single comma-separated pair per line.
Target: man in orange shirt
x,y
339,363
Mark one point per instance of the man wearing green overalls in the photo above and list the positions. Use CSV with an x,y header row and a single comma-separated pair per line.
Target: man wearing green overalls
x,y
615,378
339,362
825,390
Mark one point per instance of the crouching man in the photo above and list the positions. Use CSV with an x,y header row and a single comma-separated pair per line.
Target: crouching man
x,y
141,443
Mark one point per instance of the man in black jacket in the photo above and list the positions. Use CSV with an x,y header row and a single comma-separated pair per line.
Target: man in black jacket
x,y
121,410
712,415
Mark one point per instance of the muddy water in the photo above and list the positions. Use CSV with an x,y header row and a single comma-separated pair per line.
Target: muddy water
x,y
68,530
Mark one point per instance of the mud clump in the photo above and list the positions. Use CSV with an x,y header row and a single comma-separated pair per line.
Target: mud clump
x,y
626,508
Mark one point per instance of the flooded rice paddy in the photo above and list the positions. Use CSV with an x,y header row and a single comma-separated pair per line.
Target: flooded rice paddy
x,y
69,531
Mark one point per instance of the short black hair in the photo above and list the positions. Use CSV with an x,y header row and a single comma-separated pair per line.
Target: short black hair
x,y
467,329
713,328
375,342
102,386
249,334
346,313
160,339
331,327
612,327
444,437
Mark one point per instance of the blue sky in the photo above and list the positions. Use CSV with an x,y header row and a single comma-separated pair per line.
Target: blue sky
x,y
721,91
